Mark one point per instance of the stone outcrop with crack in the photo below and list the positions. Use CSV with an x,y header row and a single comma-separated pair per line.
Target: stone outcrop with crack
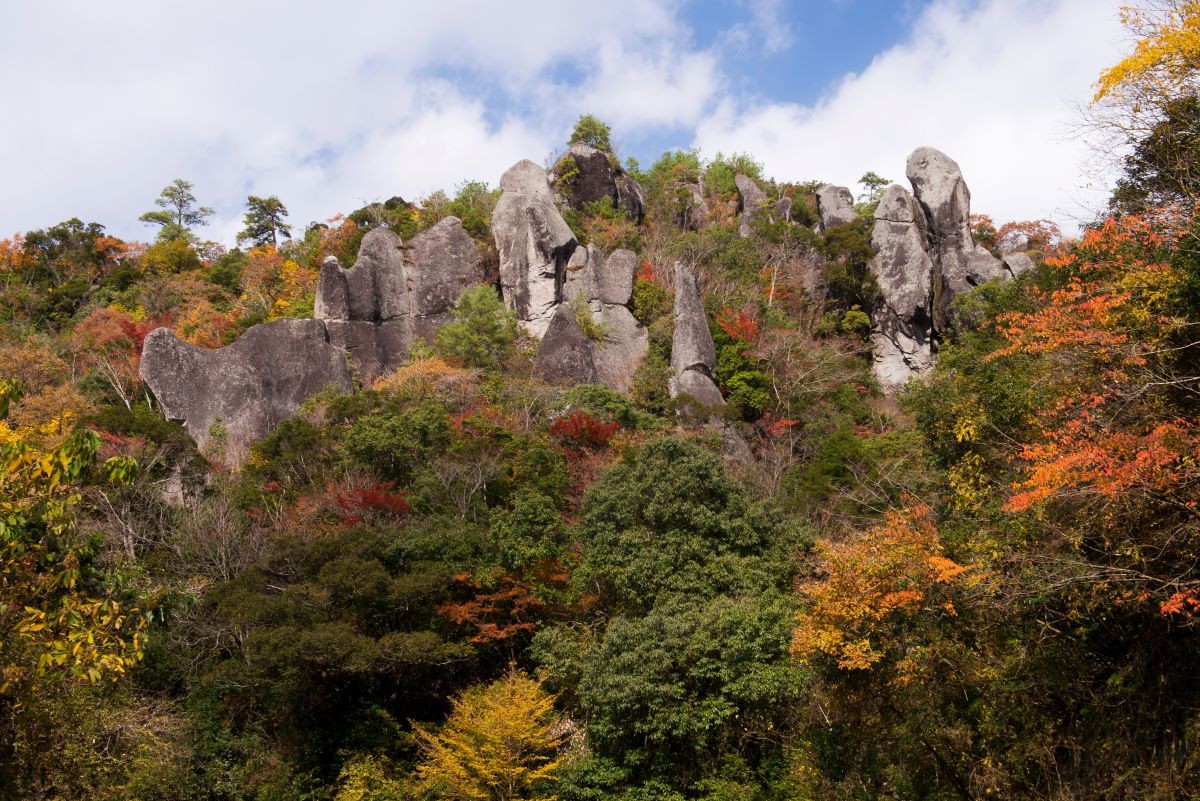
x,y
835,206
394,294
248,387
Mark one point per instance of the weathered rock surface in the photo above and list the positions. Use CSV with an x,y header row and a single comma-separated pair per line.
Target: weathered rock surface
x,y
534,244
959,263
586,174
250,386
750,199
835,206
783,209
565,354
604,286
630,198
392,294
693,355
902,331
695,213
1015,264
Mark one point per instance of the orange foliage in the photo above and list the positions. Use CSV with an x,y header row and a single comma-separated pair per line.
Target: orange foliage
x,y
740,324
1100,333
497,612
894,570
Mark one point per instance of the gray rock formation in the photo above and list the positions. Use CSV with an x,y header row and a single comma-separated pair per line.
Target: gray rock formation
x,y
604,287
565,355
902,330
1015,264
534,244
750,199
695,213
585,174
630,198
693,355
783,209
959,263
835,206
250,386
392,294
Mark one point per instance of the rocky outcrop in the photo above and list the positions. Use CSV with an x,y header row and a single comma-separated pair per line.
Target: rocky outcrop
x,y
585,174
925,256
693,355
959,263
694,215
750,199
248,387
902,332
835,206
534,244
565,355
392,294
602,288
1016,264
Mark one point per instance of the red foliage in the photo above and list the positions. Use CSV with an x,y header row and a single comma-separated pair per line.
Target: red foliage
x,y
359,503
582,428
740,324
645,271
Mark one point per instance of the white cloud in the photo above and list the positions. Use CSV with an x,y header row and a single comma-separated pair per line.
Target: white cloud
x,y
993,85
321,105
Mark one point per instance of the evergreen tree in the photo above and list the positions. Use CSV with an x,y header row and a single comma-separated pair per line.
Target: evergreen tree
x,y
264,221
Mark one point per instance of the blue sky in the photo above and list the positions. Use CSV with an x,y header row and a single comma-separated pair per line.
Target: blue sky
x,y
330,109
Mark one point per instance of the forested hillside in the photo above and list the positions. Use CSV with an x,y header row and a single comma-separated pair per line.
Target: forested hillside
x,y
464,573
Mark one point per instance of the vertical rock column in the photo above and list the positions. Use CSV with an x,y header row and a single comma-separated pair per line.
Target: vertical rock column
x,y
902,328
693,355
534,244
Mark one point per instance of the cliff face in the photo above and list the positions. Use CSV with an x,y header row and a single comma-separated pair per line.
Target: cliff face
x,y
367,317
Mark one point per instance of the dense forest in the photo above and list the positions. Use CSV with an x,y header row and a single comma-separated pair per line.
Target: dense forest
x,y
463,581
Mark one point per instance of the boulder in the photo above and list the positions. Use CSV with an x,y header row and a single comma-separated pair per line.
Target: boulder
x,y
835,206
943,195
534,244
693,355
249,387
585,174
564,356
902,324
630,198
1015,264
750,197
694,215
441,262
783,209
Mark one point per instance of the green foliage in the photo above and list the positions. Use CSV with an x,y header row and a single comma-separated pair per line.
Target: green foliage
x,y
694,580
591,328
395,443
473,203
720,172
482,333
848,275
264,221
589,130
178,213
651,301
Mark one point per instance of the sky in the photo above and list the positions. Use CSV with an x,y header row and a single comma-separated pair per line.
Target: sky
x,y
330,108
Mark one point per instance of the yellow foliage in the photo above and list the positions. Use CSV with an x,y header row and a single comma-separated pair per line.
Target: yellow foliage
x,y
500,743
895,568
1166,56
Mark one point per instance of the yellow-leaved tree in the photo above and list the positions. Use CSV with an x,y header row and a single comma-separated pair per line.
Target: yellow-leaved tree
x,y
501,742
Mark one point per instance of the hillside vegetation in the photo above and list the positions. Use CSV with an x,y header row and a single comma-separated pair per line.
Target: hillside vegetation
x,y
460,581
